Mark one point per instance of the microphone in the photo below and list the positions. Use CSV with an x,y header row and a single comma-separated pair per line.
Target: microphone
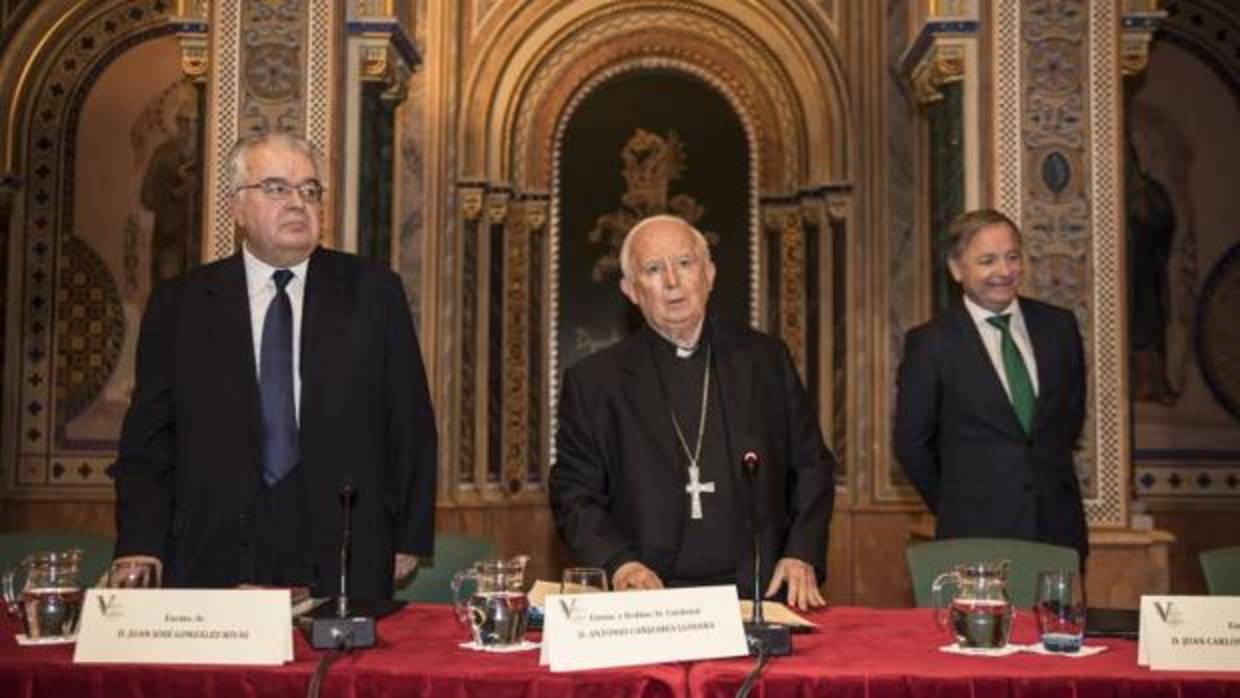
x,y
346,540
763,638
343,630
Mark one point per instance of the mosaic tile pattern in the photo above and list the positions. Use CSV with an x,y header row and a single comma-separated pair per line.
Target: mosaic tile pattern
x,y
70,326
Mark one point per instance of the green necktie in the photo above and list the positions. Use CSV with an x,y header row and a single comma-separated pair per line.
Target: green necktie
x,y
1019,384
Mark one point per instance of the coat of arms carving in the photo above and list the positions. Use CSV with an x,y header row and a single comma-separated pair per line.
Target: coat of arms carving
x,y
651,164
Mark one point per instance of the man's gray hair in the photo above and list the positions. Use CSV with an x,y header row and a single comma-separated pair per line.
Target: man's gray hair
x,y
245,144
968,224
699,240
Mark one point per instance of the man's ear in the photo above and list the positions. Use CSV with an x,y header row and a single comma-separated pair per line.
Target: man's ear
x,y
954,268
627,289
234,207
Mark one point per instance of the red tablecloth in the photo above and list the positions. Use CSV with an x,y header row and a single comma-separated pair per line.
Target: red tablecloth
x,y
855,652
873,653
418,654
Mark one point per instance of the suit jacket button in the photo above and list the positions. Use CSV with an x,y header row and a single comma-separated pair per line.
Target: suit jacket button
x,y
1028,487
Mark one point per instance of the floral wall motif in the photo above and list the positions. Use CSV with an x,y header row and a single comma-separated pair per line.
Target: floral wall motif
x,y
273,41
1055,134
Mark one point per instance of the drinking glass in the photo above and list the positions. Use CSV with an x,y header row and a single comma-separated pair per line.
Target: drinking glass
x,y
1060,608
134,574
583,580
489,599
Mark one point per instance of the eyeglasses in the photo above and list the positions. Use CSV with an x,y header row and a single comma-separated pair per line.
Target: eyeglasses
x,y
280,190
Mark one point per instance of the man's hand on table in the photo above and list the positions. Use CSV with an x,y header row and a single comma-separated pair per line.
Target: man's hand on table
x,y
635,575
803,593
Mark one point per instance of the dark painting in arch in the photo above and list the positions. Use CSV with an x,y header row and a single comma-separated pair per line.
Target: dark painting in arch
x,y
644,143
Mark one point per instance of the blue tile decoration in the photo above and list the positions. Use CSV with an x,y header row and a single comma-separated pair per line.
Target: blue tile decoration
x,y
1056,172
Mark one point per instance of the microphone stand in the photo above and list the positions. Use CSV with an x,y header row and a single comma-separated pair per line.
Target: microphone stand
x,y
343,631
764,639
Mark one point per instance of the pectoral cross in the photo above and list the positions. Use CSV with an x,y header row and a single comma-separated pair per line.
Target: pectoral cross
x,y
695,488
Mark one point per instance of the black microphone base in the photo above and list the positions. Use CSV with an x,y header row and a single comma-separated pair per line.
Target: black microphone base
x,y
777,638
350,632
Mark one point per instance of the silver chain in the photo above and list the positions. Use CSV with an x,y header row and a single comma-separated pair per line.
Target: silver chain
x,y
697,451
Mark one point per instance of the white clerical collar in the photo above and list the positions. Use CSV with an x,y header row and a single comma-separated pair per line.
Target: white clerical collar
x,y
683,351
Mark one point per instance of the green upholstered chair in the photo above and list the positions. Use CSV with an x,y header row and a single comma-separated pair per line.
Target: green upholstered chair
x,y
453,553
927,560
1221,567
96,549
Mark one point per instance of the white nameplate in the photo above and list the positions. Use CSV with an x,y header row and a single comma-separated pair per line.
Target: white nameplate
x,y
593,631
185,626
1190,633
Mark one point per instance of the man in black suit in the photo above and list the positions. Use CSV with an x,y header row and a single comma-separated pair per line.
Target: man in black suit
x,y
648,481
265,383
991,400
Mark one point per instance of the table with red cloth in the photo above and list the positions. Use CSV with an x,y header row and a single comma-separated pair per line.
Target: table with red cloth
x,y
858,652
863,652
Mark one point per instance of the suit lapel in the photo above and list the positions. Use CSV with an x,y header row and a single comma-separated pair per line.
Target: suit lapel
x,y
978,365
231,331
326,309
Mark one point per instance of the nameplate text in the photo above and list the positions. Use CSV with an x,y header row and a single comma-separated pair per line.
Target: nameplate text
x,y
185,626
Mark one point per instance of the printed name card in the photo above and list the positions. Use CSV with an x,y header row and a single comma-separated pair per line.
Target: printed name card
x,y
185,626
593,631
1190,633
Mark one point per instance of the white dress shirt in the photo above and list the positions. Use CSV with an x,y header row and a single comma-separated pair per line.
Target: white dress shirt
x,y
992,338
262,290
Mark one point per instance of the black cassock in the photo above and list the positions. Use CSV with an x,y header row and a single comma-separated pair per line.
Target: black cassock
x,y
618,483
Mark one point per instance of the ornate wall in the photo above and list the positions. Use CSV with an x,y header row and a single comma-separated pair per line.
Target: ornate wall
x,y
524,73
1182,245
106,107
447,127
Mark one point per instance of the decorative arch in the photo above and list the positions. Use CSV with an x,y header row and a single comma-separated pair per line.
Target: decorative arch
x,y
778,64
65,319
526,78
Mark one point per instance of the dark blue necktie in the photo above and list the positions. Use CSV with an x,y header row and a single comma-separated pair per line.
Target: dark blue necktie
x,y
275,384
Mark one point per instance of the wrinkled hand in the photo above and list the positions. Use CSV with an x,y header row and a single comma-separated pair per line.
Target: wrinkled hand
x,y
404,568
803,590
635,575
129,571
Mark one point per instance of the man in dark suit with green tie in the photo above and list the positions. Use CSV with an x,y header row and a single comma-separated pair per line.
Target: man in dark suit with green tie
x,y
991,400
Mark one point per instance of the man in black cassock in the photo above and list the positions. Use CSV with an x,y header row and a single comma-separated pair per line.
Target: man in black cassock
x,y
649,482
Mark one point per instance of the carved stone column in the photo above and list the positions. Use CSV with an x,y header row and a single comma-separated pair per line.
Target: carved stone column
x,y
273,68
1058,172
945,53
499,213
524,224
784,224
942,65
380,58
1141,18
464,409
191,21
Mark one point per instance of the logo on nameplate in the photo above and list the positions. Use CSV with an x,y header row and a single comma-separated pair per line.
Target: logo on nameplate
x,y
109,606
574,610
1168,612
